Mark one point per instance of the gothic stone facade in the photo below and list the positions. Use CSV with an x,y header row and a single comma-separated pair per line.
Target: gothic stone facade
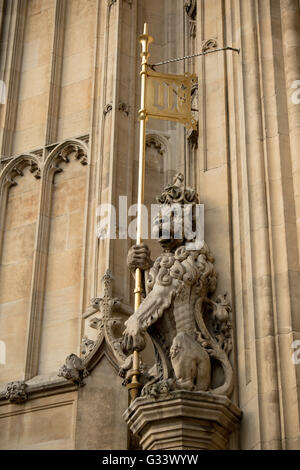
x,y
69,142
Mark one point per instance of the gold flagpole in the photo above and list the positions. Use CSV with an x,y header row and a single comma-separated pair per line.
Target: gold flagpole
x,y
145,40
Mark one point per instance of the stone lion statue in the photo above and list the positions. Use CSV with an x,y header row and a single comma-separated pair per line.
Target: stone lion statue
x,y
191,332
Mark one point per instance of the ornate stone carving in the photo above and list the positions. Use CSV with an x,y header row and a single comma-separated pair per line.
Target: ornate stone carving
x,y
38,152
107,109
124,108
64,156
155,141
81,156
209,44
16,392
74,370
5,160
87,345
190,7
84,138
79,153
21,163
193,134
111,2
177,193
35,170
190,331
107,325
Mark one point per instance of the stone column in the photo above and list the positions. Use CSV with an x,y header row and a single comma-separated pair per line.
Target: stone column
x,y
249,180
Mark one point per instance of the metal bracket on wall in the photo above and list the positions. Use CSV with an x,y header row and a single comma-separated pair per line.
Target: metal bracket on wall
x,y
227,48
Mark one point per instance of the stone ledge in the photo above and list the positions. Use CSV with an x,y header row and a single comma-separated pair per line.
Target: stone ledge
x,y
41,386
183,420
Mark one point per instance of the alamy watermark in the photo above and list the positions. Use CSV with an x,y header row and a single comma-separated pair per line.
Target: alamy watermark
x,y
2,353
2,92
168,222
296,94
296,353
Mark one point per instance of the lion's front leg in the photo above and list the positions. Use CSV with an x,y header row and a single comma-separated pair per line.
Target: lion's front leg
x,y
150,310
133,336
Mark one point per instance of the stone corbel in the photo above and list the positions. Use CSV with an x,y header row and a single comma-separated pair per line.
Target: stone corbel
x,y
19,392
16,392
74,370
209,44
183,420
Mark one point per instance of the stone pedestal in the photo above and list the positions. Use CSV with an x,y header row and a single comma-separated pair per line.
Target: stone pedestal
x,y
183,420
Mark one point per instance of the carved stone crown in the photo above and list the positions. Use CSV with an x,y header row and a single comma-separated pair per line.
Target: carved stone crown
x,y
178,193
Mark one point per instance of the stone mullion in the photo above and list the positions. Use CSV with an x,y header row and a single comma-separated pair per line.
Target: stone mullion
x,y
94,160
114,118
228,36
283,237
124,139
240,319
258,265
38,279
113,121
56,72
11,73
107,131
3,198
105,13
218,95
243,265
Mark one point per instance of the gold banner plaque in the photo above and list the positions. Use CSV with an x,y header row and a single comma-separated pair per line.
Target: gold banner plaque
x,y
168,97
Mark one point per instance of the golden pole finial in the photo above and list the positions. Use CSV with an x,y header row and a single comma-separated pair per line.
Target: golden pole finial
x,y
145,40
